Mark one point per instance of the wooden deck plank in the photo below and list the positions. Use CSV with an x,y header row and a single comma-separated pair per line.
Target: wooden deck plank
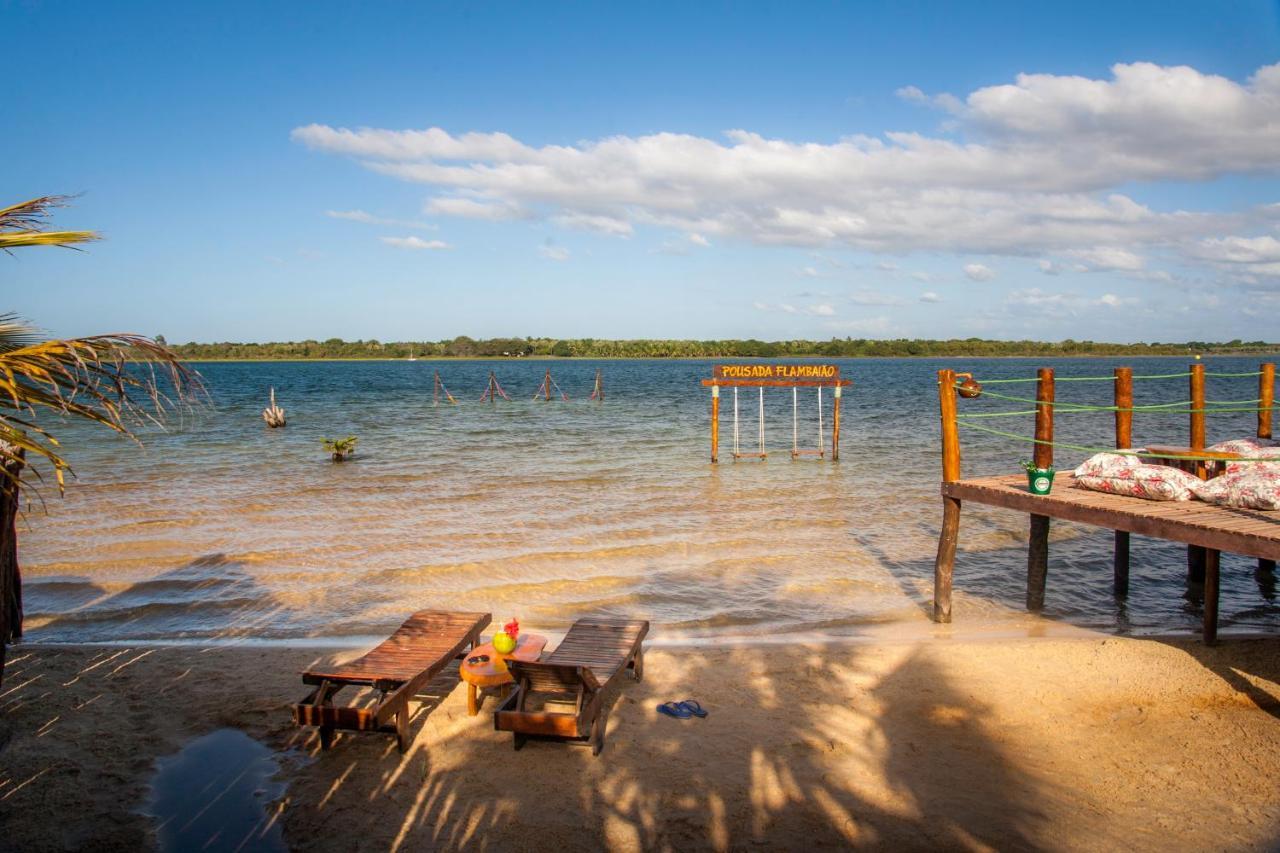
x,y
1255,533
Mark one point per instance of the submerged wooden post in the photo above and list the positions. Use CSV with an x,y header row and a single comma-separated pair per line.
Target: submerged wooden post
x,y
1196,553
435,388
1124,441
835,422
944,563
715,423
493,390
597,393
546,385
1038,538
1211,565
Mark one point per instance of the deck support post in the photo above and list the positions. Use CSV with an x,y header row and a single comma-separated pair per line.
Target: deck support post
x,y
1124,441
1266,400
1037,562
1120,564
1195,553
1038,537
945,562
1211,565
715,423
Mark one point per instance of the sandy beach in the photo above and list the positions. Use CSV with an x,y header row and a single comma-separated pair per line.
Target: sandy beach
x,y
1081,743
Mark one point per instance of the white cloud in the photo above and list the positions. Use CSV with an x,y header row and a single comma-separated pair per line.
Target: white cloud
x,y
599,224
872,298
1251,259
979,272
699,240
930,296
887,266
369,218
469,208
810,272
1110,300
816,310
414,243
1106,259
1032,170
554,253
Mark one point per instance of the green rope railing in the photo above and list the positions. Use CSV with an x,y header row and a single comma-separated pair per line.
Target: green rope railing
x,y
1234,375
1087,449
986,382
1064,407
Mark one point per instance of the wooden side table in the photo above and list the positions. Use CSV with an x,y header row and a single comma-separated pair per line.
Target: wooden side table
x,y
484,677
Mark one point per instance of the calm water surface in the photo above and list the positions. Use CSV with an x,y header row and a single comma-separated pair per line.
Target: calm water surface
x,y
223,528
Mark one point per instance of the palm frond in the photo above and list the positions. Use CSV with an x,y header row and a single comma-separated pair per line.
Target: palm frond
x,y
16,333
119,381
23,224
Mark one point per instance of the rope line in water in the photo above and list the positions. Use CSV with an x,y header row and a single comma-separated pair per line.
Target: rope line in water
x,y
1234,375
1086,449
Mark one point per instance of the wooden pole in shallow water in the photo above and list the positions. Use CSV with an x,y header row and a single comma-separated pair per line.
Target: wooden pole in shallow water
x,y
715,423
597,393
1038,538
835,422
944,563
546,385
1124,441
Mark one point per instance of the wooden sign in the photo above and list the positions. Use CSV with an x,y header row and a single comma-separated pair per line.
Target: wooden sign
x,y
784,372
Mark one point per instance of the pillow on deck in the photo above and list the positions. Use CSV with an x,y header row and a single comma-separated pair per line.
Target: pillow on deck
x,y
1252,485
1249,448
1126,475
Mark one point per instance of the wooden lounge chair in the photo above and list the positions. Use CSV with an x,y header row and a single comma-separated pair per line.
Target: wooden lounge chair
x,y
591,657
399,668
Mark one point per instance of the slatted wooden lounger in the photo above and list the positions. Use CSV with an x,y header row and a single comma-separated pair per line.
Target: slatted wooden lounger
x,y
399,667
592,656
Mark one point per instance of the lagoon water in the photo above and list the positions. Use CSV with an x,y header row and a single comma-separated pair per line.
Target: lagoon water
x,y
220,528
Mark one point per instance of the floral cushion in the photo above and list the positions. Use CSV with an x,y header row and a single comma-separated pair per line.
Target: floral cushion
x,y
1125,475
1249,448
1251,485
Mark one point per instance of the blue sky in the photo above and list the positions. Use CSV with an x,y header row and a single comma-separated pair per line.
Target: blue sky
x,y
269,172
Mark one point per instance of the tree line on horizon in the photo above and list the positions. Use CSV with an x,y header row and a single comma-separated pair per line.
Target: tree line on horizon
x,y
465,347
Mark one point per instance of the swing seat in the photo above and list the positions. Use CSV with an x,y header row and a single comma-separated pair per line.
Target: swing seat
x,y
759,455
818,453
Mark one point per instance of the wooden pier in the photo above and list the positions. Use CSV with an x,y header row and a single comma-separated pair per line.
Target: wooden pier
x,y
1206,529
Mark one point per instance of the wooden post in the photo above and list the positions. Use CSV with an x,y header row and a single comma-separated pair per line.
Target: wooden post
x,y
1196,554
1266,398
546,384
493,393
598,391
1266,401
835,424
715,423
1038,538
1211,566
435,389
1124,441
944,563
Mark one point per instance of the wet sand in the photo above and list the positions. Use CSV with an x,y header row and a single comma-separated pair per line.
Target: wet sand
x,y
1078,743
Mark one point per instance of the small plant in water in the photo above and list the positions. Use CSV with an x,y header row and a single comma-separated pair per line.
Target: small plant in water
x,y
1031,467
340,448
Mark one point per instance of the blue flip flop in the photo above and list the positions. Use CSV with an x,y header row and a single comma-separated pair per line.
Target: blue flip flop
x,y
675,709
692,706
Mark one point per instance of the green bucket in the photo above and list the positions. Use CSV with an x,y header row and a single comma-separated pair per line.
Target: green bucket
x,y
1040,481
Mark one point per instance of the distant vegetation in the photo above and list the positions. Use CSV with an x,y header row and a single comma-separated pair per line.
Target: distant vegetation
x,y
464,347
